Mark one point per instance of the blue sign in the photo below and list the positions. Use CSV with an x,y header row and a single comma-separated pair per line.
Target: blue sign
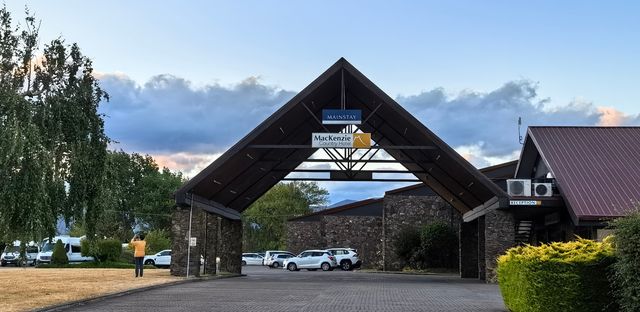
x,y
341,116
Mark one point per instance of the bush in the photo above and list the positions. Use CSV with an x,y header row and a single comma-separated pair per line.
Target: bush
x,y
557,277
438,246
626,276
157,240
59,255
407,245
102,250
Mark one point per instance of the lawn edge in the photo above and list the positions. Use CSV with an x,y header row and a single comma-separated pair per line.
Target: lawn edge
x,y
66,305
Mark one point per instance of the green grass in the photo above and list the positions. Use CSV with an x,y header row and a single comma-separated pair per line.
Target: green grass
x,y
93,265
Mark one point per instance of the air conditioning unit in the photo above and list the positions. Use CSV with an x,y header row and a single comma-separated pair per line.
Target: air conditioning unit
x,y
542,189
519,187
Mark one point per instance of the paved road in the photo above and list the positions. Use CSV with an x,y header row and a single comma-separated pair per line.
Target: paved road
x,y
266,289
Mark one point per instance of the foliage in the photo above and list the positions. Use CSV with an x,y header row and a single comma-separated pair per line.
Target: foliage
x,y
59,254
52,141
407,245
438,246
264,222
157,240
557,277
94,265
102,250
626,276
135,194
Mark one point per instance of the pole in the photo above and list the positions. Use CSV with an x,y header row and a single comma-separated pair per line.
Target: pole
x,y
189,237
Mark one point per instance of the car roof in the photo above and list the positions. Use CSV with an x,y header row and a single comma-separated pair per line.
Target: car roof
x,y
316,250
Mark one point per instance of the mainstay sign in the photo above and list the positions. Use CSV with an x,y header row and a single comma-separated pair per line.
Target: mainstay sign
x,y
341,116
341,140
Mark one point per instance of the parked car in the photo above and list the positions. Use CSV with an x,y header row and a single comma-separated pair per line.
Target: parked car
x,y
269,253
311,260
11,254
71,245
250,258
161,259
277,260
347,258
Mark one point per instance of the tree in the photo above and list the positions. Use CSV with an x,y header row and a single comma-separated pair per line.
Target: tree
x,y
265,220
52,140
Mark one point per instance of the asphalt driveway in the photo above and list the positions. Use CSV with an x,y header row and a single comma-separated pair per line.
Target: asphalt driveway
x,y
266,289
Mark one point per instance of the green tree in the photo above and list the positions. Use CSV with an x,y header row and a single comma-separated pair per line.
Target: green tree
x,y
59,254
265,220
52,141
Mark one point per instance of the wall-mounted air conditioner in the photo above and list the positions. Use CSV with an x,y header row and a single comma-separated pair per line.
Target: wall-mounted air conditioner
x,y
542,189
519,187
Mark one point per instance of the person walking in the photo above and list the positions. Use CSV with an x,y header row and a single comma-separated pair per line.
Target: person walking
x,y
139,245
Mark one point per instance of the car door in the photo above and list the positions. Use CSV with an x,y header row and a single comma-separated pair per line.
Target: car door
x,y
304,260
164,258
316,259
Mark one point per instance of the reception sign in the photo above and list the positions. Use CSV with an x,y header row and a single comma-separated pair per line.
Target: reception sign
x,y
341,116
341,140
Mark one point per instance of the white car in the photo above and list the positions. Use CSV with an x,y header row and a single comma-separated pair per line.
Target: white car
x,y
71,246
347,258
249,258
311,260
11,254
161,259
269,254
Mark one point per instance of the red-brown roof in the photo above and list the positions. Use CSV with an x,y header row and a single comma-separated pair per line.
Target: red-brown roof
x,y
597,169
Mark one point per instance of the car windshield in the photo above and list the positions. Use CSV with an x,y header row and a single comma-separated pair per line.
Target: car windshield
x,y
12,249
48,247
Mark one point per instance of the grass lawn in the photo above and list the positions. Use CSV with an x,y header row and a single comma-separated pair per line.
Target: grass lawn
x,y
36,288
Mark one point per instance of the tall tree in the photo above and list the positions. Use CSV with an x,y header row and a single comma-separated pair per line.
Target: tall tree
x,y
265,220
52,140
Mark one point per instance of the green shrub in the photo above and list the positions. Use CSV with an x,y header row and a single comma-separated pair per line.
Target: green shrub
x,y
157,240
102,250
126,256
557,277
626,276
59,255
438,246
407,245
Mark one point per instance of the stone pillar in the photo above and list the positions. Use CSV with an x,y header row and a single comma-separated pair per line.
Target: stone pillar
x,y
209,243
469,249
230,245
500,233
180,241
481,250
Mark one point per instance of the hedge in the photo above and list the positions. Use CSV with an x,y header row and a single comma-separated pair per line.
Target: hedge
x,y
59,254
103,250
626,277
570,276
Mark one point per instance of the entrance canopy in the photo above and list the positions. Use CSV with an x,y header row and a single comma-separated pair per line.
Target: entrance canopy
x,y
280,144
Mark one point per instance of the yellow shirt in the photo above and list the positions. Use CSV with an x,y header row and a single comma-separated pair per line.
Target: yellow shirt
x,y
138,247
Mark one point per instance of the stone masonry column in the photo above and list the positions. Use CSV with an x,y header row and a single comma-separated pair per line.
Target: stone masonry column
x,y
469,249
230,245
209,243
500,232
180,241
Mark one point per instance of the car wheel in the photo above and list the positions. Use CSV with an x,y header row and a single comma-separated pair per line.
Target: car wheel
x,y
325,266
3,263
292,267
244,263
275,265
345,265
150,262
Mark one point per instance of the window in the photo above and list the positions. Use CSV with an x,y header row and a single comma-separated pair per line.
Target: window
x,y
165,253
75,249
317,253
305,254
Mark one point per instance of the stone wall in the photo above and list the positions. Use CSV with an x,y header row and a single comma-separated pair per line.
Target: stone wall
x,y
469,249
412,211
363,233
230,245
303,235
180,241
500,234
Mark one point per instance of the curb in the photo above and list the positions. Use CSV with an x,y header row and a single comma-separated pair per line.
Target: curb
x,y
408,273
81,302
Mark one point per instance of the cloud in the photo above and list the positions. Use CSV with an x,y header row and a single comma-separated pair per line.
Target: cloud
x,y
185,127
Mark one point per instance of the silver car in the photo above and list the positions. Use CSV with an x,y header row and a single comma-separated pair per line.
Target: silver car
x,y
311,260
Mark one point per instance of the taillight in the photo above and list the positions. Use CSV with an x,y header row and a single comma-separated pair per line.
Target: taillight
x,y
331,258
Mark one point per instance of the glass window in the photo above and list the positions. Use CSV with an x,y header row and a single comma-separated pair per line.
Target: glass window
x,y
165,253
305,254
317,254
75,249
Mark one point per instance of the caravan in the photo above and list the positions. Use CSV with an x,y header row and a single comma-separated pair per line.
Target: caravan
x,y
71,245
11,254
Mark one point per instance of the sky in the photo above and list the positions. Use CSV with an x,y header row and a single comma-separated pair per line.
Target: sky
x,y
179,71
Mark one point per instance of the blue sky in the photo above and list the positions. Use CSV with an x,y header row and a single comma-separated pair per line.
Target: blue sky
x,y
551,62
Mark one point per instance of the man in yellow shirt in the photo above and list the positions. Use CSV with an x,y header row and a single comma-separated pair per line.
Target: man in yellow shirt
x,y
139,245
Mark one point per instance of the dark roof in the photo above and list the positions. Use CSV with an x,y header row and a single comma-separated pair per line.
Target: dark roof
x,y
496,172
243,173
596,169
371,203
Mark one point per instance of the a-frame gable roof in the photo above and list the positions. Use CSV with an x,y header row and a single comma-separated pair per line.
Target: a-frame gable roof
x,y
243,173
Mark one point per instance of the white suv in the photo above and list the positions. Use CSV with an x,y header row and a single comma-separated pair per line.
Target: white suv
x,y
347,258
311,260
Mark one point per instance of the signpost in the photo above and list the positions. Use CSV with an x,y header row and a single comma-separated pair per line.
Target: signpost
x,y
341,140
341,116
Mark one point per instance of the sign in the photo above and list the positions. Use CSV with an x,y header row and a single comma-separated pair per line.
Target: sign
x,y
341,140
341,116
192,241
525,203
